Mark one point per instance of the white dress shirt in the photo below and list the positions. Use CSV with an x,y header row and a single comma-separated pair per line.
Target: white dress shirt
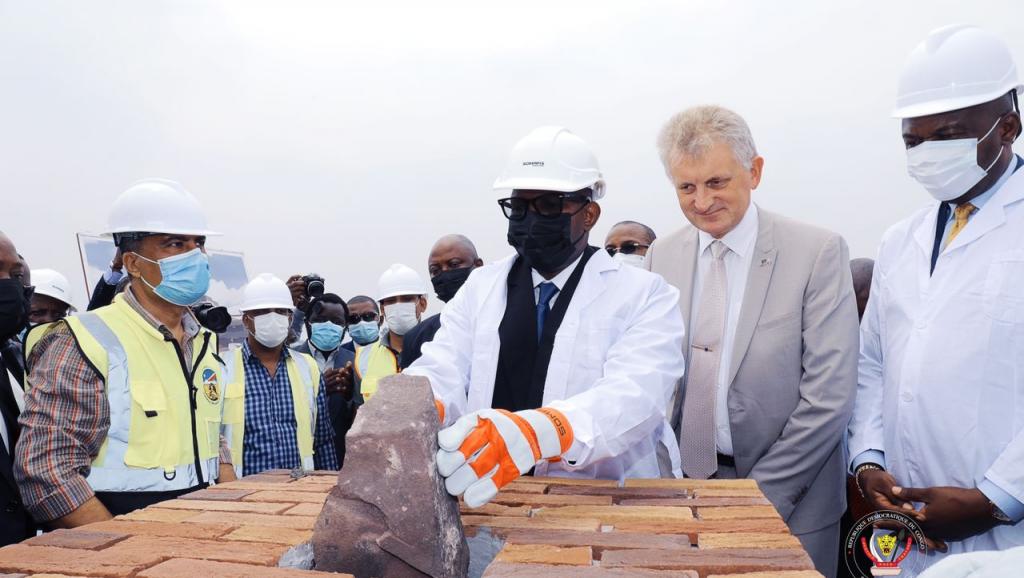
x,y
740,242
559,280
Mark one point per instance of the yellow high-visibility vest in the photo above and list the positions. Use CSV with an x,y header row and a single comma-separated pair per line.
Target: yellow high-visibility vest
x,y
304,375
164,430
374,362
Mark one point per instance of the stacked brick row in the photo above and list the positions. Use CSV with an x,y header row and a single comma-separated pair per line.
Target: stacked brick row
x,y
551,527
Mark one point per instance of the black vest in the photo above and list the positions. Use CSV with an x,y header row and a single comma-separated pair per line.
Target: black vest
x,y
522,362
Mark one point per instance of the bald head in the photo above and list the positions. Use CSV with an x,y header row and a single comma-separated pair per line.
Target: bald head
x,y
12,266
452,252
862,268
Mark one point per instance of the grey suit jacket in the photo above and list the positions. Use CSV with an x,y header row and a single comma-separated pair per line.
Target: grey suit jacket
x,y
793,366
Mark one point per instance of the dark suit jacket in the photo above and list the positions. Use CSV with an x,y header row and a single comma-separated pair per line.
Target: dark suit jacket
x,y
15,523
102,295
413,343
342,411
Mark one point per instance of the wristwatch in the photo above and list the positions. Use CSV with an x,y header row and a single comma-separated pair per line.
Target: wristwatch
x,y
861,469
999,515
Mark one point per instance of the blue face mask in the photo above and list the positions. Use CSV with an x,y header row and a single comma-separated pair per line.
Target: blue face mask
x,y
326,336
365,332
185,277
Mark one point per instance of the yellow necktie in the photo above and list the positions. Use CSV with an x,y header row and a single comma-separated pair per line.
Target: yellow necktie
x,y
960,216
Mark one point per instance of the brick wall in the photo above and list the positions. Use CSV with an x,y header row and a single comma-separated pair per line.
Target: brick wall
x,y
551,527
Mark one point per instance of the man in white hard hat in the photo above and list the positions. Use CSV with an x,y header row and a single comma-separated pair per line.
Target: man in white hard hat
x,y
52,298
275,409
936,425
555,358
124,405
403,299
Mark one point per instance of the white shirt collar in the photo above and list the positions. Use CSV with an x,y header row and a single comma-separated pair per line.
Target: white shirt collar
x,y
740,239
559,280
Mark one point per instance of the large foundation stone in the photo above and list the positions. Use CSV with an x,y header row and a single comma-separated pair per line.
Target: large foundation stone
x,y
389,515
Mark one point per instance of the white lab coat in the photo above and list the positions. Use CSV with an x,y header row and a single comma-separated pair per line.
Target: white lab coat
x,y
616,361
941,384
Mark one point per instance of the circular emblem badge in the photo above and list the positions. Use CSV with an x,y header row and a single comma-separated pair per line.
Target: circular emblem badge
x,y
210,385
884,543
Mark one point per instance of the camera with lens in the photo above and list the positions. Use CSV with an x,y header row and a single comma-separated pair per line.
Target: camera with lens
x,y
213,317
314,286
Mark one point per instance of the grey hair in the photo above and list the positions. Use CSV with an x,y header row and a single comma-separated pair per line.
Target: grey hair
x,y
694,131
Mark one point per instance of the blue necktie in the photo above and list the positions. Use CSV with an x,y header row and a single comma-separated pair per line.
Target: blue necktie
x,y
547,292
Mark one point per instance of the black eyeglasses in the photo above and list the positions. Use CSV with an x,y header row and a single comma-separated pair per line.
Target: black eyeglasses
x,y
627,248
369,316
549,205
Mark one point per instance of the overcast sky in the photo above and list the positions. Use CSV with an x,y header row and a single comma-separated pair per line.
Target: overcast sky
x,y
341,137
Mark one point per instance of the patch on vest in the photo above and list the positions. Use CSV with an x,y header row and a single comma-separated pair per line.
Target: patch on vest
x,y
210,386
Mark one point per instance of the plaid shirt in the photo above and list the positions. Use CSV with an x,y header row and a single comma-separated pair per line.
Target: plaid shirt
x,y
66,419
270,430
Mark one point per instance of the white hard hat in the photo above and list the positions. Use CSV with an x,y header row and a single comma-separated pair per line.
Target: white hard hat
x,y
52,284
400,280
157,206
955,67
266,291
551,158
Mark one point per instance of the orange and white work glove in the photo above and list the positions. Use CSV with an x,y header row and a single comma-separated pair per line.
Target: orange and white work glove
x,y
485,450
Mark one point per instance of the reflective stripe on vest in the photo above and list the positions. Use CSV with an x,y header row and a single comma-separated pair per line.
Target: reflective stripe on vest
x,y
304,377
150,446
373,362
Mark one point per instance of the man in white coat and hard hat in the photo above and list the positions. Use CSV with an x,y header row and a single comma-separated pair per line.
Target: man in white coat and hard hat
x,y
556,359
938,424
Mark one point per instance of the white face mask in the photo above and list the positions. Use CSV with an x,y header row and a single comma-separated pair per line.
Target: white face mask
x,y
636,260
948,168
271,329
400,317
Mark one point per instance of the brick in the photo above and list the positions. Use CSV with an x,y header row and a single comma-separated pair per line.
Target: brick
x,y
218,506
615,514
304,510
152,514
727,493
506,570
5,575
620,493
525,488
80,539
163,547
732,561
694,502
215,493
569,482
691,484
208,569
737,512
583,524
294,497
287,536
270,477
694,527
538,500
492,509
545,554
246,485
779,574
746,540
170,529
239,519
39,559
599,541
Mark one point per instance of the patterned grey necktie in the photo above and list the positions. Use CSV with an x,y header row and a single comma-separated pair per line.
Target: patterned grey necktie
x,y
697,433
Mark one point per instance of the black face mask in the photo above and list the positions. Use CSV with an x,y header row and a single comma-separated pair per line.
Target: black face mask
x,y
447,283
545,243
14,306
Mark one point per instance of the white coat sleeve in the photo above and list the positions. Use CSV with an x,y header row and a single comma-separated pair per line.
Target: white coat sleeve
x,y
866,429
446,360
640,372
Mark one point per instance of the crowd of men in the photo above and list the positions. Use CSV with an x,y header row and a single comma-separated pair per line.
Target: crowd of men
x,y
743,345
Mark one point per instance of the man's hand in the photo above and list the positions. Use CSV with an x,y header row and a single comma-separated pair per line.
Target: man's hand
x,y
226,473
877,486
339,380
298,288
118,263
951,513
485,450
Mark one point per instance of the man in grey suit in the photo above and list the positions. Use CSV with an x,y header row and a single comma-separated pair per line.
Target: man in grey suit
x,y
772,345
